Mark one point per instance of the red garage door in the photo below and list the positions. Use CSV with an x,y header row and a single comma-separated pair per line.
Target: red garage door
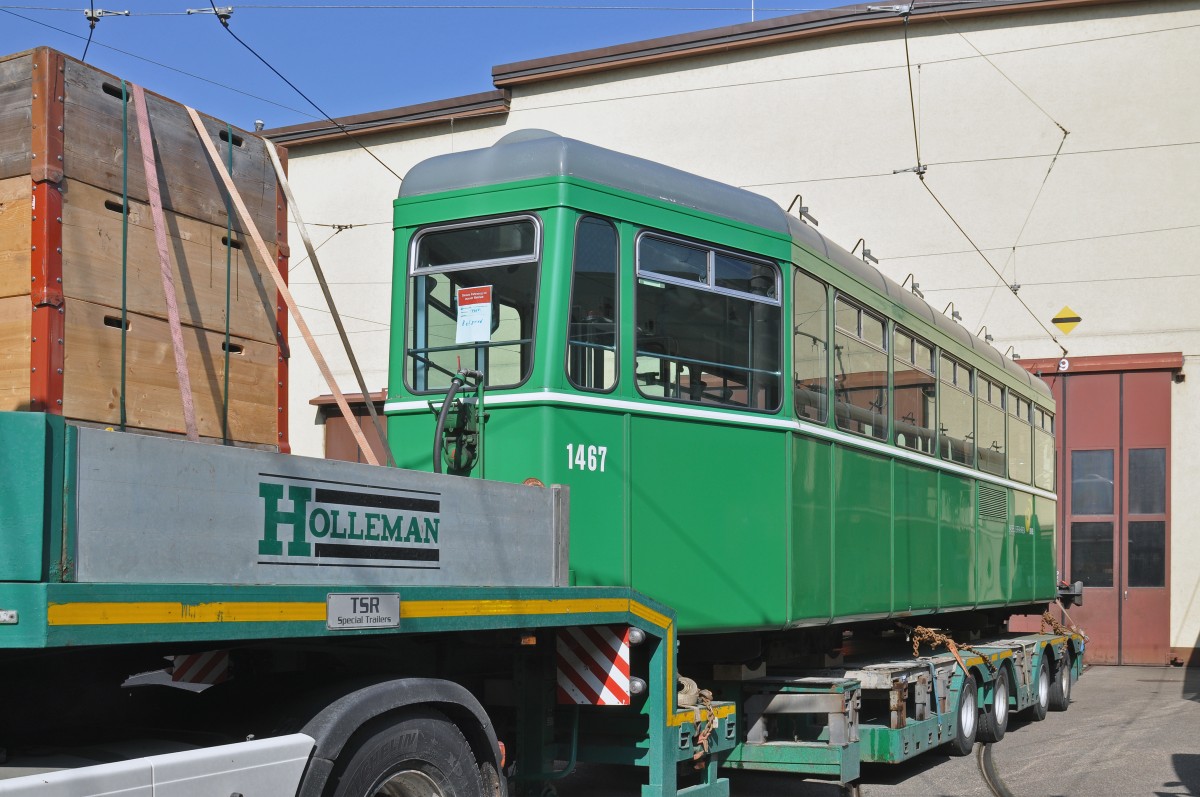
x,y
1114,444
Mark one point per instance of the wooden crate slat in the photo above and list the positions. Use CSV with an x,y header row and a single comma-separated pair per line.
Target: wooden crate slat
x,y
93,376
189,186
15,320
15,198
92,265
16,102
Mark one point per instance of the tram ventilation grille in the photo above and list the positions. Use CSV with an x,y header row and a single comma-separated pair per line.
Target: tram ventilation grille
x,y
993,504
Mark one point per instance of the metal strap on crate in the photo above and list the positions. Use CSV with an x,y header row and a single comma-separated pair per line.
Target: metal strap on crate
x,y
164,263
124,243
281,286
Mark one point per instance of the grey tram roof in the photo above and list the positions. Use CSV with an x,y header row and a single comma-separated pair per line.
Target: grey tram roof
x,y
533,154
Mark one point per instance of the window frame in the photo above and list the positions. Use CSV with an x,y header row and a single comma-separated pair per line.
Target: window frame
x,y
483,221
826,359
413,271
970,392
708,286
616,319
934,353
885,324
711,251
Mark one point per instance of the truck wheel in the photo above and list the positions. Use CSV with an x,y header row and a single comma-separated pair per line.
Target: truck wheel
x,y
418,754
968,715
1041,698
1060,690
995,717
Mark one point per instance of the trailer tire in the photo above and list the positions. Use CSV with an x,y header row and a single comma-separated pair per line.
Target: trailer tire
x,y
419,753
968,719
994,721
1060,690
1042,686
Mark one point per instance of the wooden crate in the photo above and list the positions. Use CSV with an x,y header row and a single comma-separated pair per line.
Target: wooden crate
x,y
91,149
61,259
92,380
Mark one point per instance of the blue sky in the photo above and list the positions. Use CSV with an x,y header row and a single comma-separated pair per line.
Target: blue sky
x,y
348,60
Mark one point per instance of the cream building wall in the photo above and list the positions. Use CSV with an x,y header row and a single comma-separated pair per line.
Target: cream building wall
x,y
1064,141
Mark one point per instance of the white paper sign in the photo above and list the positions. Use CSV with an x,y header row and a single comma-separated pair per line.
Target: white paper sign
x,y
474,315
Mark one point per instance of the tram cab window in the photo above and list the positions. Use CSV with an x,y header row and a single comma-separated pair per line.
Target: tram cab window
x,y
914,392
810,362
860,371
990,437
1043,449
592,322
502,254
708,324
1020,440
956,427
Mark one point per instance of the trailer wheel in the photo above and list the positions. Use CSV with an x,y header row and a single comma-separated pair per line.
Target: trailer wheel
x,y
418,754
1041,699
994,722
968,716
1060,690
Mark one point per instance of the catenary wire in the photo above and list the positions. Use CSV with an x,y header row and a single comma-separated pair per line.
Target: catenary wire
x,y
1012,252
919,170
841,73
979,251
968,161
91,30
224,20
159,64
1003,74
1048,243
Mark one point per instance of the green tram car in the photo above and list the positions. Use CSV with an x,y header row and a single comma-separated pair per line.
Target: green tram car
x,y
757,428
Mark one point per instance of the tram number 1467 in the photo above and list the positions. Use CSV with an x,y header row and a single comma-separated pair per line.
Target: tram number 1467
x,y
581,457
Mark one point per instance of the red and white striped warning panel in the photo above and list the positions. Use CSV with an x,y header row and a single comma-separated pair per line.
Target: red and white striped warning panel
x,y
210,667
593,666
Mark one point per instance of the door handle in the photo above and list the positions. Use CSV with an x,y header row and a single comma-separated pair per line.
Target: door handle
x,y
1126,594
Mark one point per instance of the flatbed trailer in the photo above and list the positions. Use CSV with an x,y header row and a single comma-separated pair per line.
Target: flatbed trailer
x,y
827,722
339,672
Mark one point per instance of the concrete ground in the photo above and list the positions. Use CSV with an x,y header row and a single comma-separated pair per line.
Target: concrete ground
x,y
1129,731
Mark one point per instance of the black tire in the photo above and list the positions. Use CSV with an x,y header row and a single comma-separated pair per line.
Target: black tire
x,y
420,753
1060,690
1041,686
968,720
994,721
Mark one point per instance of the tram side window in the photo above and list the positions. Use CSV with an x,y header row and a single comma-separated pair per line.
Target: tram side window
x,y
1020,440
860,371
810,362
500,254
914,391
591,332
708,325
957,425
1043,449
991,427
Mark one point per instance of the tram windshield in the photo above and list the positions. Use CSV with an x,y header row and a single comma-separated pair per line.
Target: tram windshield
x,y
501,255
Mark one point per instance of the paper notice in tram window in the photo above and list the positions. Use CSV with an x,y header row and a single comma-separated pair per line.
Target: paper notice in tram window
x,y
474,315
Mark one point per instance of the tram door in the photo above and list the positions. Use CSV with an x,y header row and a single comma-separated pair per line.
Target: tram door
x,y
1114,459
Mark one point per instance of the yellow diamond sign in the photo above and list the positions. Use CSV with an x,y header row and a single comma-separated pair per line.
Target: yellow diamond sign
x,y
1066,320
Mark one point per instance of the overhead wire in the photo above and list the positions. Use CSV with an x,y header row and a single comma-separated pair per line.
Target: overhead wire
x,y
337,231
1051,243
224,20
92,18
920,170
6,10
969,161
